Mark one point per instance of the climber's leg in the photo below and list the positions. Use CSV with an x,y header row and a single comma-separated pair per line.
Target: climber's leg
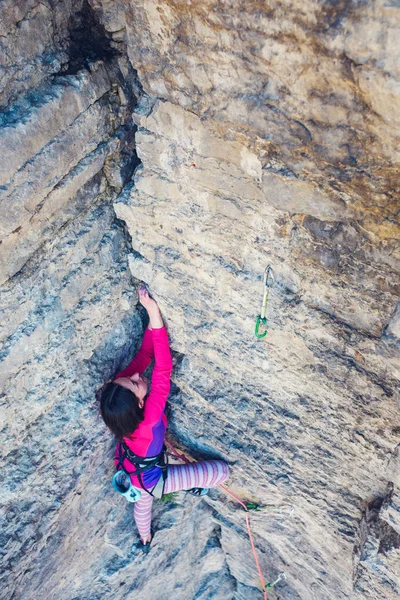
x,y
142,514
205,474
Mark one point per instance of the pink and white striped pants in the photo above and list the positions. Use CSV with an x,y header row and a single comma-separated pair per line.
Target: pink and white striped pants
x,y
208,473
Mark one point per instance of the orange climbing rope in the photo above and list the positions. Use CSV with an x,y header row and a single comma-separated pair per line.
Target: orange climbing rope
x,y
187,461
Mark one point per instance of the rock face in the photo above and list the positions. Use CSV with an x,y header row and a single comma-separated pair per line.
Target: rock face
x,y
67,301
267,135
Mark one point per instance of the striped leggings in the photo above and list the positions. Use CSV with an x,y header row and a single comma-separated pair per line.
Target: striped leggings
x,y
208,473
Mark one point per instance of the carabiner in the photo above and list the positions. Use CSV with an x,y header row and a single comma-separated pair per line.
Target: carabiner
x,y
286,509
252,506
282,509
269,277
280,577
262,320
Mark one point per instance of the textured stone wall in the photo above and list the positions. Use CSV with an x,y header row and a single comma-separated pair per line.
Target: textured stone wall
x,y
67,297
267,134
274,140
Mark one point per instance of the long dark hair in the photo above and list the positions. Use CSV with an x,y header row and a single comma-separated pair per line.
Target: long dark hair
x,y
120,410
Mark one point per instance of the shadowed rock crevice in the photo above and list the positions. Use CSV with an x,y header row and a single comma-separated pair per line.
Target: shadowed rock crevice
x,y
88,40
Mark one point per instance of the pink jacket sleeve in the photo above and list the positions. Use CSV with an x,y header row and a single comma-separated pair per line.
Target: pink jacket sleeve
x,y
160,381
142,359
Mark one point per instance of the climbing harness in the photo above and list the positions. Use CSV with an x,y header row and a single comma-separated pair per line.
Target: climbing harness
x,y
247,507
261,319
281,576
143,464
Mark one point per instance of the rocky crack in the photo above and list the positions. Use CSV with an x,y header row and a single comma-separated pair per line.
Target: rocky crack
x,y
88,41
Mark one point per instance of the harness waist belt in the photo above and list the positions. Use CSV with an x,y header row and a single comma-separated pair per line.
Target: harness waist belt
x,y
142,464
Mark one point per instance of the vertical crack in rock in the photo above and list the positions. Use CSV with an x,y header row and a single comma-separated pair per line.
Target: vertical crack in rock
x,y
88,40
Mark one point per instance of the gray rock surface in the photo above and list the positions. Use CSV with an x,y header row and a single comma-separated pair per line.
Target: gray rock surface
x,y
68,300
267,134
308,414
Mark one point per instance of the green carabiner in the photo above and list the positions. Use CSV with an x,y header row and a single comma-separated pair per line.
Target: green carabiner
x,y
281,577
252,506
262,320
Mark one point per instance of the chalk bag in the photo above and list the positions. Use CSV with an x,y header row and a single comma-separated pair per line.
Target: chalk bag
x,y
123,485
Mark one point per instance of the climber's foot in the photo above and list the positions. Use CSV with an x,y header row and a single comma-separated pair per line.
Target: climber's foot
x,y
145,548
144,545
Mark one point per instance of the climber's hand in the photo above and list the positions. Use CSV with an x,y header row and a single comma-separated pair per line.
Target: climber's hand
x,y
149,303
151,306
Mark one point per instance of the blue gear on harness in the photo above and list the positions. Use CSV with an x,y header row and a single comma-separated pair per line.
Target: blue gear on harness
x,y
123,485
142,464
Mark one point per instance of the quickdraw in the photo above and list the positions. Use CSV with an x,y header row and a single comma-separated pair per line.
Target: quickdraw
x,y
283,509
261,319
279,578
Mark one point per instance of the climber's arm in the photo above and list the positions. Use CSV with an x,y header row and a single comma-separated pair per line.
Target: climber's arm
x,y
160,381
142,359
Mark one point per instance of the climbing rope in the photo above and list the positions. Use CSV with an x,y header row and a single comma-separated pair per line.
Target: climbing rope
x,y
253,548
261,319
247,507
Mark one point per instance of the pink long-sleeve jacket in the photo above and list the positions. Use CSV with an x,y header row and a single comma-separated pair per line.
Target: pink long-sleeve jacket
x,y
148,438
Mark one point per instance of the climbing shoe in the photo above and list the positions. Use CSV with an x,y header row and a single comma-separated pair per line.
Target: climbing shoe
x,y
145,548
198,491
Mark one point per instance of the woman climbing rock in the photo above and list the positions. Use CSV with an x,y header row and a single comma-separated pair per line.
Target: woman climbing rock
x,y
136,417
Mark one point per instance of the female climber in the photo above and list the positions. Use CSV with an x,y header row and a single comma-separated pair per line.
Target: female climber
x,y
136,417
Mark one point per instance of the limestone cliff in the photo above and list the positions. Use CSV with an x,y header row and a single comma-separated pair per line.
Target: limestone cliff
x,y
190,145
